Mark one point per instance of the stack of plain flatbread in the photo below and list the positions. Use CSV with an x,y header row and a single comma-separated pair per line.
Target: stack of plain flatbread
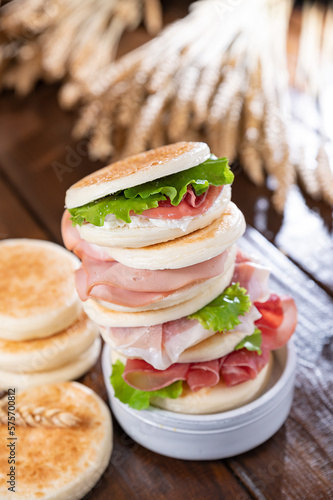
x,y
45,336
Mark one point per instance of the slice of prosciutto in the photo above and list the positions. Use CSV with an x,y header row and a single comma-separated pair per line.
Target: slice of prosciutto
x,y
81,248
161,345
119,284
278,320
240,366
277,323
234,368
251,276
190,206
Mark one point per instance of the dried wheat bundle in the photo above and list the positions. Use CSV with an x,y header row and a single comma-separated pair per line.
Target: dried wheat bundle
x,y
311,130
217,75
28,416
66,39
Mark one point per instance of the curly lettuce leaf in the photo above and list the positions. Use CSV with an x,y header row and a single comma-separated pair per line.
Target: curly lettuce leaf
x,y
139,400
214,171
251,342
96,211
222,313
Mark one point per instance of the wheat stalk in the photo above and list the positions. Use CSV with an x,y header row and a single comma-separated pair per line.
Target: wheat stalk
x,y
195,81
73,39
39,416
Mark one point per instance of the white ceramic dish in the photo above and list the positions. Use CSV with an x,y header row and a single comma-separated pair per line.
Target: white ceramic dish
x,y
216,436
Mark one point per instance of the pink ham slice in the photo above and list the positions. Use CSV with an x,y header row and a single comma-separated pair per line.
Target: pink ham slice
x,y
278,320
193,200
235,368
161,345
202,375
118,284
251,276
114,295
144,280
70,234
240,366
139,374
188,207
81,248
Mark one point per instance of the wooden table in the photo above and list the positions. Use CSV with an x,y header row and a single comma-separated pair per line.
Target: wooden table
x,y
296,462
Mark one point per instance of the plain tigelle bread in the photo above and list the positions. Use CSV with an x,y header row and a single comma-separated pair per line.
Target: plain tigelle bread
x,y
59,463
49,353
137,170
70,371
37,290
188,250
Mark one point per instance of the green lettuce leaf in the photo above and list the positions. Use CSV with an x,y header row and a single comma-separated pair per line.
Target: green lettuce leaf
x,y
251,342
222,313
135,398
214,171
96,211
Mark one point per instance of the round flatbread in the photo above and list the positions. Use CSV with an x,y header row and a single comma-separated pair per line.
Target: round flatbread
x,y
218,398
188,250
136,170
214,347
106,317
49,353
37,290
58,461
73,370
150,232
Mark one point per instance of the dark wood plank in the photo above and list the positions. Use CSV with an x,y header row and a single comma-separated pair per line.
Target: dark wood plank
x,y
15,221
38,156
296,462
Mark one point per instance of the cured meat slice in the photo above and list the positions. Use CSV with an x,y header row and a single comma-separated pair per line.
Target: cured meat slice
x,y
240,366
144,280
187,207
252,276
278,321
235,368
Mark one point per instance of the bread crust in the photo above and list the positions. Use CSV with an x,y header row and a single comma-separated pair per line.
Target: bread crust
x,y
136,170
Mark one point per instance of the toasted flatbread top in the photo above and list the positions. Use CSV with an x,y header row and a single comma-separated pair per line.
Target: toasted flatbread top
x,y
136,170
36,278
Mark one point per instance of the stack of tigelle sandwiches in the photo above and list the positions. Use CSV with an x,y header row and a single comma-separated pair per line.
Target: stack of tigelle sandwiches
x,y
189,318
45,336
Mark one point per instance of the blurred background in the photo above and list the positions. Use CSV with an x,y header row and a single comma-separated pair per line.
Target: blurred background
x,y
86,82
